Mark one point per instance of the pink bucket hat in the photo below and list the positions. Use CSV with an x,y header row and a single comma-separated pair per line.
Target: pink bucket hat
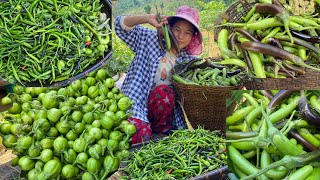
x,y
191,15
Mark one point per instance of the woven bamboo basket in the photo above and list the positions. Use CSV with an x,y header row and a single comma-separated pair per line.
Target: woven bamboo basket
x,y
205,105
310,80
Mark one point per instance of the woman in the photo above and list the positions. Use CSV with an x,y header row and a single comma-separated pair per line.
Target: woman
x,y
148,80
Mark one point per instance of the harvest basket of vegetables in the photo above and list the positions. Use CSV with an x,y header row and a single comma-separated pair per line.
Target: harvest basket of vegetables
x,y
279,49
52,43
79,131
179,156
203,89
275,137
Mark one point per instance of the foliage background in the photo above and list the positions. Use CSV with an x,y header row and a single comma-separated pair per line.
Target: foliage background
x,y
209,11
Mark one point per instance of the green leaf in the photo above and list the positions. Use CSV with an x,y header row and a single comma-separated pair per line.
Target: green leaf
x,y
236,96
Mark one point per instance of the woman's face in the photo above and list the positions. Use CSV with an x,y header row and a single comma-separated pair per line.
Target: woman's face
x,y
183,31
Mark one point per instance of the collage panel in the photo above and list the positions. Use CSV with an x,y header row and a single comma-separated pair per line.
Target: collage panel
x,y
53,43
62,115
149,89
73,121
274,134
199,110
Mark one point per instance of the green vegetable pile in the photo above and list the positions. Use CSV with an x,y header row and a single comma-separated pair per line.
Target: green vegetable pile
x,y
78,131
271,42
209,77
50,41
183,154
275,135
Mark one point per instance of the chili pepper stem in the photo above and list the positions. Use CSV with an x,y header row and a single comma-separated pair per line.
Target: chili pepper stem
x,y
310,67
239,25
95,177
280,65
286,27
287,127
289,162
279,139
89,27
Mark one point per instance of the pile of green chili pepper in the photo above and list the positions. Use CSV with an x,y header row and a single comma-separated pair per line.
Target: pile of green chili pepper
x,y
50,41
209,77
271,42
275,135
181,155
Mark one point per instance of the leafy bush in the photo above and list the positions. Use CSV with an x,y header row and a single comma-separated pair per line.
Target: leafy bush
x,y
122,57
210,12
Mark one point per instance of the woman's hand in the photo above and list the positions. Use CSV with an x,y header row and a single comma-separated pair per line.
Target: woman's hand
x,y
153,20
131,21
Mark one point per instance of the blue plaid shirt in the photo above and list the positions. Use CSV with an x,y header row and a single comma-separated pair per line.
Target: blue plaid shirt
x,y
140,77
